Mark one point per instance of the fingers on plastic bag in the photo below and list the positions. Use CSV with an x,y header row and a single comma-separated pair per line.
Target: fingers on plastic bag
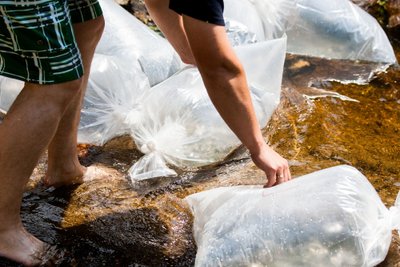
x,y
319,218
287,174
271,177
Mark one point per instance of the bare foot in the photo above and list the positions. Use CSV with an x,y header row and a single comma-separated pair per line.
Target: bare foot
x,y
90,173
20,246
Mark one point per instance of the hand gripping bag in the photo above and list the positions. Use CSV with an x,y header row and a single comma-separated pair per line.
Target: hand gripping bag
x,y
332,217
180,126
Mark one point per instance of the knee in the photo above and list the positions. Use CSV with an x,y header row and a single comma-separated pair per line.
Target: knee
x,y
98,28
64,93
54,98
88,34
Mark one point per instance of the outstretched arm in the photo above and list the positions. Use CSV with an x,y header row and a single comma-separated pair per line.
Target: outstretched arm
x,y
207,46
225,80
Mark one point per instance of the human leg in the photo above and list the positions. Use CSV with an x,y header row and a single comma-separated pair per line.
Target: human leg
x,y
24,134
63,164
47,59
171,25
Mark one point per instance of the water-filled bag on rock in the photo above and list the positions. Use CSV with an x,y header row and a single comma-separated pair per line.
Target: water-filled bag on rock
x,y
338,29
335,29
112,101
179,124
130,40
332,217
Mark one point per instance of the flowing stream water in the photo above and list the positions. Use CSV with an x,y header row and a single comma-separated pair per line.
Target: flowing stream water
x,y
319,123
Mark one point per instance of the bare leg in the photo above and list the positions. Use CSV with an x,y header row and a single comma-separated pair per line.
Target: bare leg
x,y
171,25
226,84
63,164
24,135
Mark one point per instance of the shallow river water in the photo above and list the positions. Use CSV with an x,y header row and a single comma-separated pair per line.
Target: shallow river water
x,y
319,123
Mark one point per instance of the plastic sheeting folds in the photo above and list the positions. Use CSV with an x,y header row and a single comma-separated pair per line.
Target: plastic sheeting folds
x,y
332,217
179,124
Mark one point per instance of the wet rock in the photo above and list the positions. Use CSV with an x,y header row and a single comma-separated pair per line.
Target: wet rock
x,y
386,12
147,229
393,8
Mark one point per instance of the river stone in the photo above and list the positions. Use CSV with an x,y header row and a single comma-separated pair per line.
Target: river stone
x,y
150,229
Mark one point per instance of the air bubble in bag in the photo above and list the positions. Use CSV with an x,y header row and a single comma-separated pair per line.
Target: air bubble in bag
x,y
332,217
179,124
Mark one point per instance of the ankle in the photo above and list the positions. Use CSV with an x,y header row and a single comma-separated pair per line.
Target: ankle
x,y
65,170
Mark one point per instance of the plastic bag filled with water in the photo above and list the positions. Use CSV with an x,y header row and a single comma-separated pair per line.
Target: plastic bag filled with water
x,y
265,19
242,22
332,217
128,39
180,126
335,29
112,101
338,29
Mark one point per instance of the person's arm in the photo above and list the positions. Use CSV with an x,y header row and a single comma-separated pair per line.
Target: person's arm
x,y
225,80
171,25
207,45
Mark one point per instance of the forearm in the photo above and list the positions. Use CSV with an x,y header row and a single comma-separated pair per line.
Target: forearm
x,y
228,90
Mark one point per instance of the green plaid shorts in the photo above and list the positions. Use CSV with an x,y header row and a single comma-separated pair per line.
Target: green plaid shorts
x,y
37,42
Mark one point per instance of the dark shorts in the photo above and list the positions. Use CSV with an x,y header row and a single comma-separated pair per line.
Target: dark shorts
x,y
210,11
37,42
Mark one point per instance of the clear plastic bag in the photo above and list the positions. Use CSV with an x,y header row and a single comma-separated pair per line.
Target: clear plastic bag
x,y
112,101
332,217
338,29
332,29
241,17
238,33
128,39
9,90
277,16
179,124
128,59
267,19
